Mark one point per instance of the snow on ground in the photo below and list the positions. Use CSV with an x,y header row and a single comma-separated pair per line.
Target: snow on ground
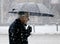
x,y
35,39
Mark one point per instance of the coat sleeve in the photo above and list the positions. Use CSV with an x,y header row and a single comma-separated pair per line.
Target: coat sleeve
x,y
12,33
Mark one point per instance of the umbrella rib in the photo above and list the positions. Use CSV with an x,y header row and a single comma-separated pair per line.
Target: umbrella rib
x,y
37,8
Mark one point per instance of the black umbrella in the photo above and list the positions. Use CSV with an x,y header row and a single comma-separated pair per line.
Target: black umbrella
x,y
35,9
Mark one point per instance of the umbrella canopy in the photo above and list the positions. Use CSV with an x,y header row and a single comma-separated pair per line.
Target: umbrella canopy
x,y
34,8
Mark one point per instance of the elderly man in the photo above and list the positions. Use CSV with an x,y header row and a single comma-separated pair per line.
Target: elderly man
x,y
18,33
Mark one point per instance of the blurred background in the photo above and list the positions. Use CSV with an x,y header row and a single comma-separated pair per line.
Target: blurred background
x,y
45,30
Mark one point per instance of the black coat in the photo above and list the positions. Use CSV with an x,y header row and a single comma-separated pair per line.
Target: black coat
x,y
18,34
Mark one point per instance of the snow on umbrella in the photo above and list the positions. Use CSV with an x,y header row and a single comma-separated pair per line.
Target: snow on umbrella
x,y
35,9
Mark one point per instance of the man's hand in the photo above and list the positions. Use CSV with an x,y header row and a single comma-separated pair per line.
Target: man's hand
x,y
29,28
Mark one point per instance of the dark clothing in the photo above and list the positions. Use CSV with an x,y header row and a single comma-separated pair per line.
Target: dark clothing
x,y
18,34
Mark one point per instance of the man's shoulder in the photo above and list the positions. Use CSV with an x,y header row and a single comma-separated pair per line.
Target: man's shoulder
x,y
14,24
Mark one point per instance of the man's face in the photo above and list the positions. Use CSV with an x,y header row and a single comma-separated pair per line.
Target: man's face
x,y
25,18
